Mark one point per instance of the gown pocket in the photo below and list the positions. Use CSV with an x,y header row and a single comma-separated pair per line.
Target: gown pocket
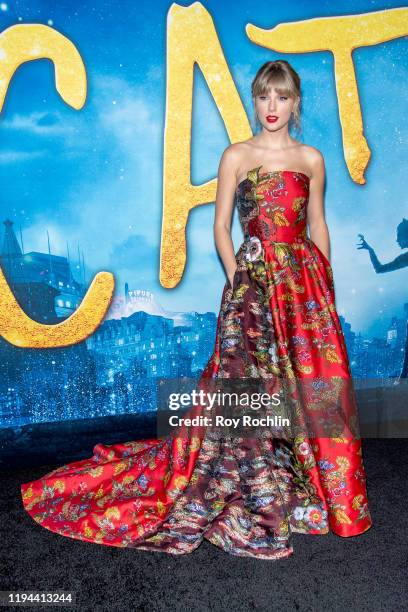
x,y
322,255
234,280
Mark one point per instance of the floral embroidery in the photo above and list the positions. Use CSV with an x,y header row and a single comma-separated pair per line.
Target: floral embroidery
x,y
277,322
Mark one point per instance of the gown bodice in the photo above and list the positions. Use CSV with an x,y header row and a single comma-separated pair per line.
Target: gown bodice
x,y
272,206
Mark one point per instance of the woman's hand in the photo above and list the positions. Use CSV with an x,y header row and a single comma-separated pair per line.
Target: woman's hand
x,y
231,279
363,244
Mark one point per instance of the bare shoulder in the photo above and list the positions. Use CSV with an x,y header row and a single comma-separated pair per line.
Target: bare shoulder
x,y
231,157
234,150
315,160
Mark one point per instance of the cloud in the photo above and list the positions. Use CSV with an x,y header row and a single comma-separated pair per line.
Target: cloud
x,y
123,112
132,252
41,123
9,157
112,207
35,237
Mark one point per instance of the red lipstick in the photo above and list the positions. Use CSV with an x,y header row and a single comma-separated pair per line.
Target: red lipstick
x,y
271,118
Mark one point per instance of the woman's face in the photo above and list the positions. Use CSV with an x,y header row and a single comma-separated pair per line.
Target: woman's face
x,y
274,109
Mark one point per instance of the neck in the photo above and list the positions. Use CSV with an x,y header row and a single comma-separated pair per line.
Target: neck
x,y
276,140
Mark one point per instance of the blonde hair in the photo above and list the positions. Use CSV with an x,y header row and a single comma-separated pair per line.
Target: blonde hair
x,y
284,79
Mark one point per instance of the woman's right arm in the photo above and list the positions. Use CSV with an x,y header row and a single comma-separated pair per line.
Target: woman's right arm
x,y
224,203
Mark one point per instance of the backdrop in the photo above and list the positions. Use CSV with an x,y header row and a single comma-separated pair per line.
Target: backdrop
x,y
112,124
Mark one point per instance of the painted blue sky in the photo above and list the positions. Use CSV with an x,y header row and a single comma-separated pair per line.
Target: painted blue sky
x,y
94,176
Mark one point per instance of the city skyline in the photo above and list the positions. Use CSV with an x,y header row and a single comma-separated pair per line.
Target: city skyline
x,y
125,294
115,370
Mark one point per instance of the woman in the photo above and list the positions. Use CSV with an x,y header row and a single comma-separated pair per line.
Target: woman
x,y
277,327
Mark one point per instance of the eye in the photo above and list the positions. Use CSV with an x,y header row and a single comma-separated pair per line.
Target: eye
x,y
284,97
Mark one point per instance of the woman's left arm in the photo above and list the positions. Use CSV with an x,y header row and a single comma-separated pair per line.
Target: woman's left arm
x,y
318,230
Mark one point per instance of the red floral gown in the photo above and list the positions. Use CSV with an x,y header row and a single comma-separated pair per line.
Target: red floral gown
x,y
246,495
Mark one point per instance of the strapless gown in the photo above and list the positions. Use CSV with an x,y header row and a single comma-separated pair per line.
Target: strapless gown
x,y
246,495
